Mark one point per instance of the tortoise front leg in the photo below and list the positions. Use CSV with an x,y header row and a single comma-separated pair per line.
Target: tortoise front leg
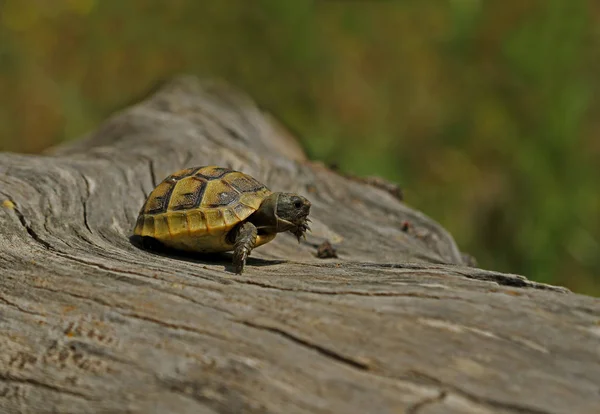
x,y
245,240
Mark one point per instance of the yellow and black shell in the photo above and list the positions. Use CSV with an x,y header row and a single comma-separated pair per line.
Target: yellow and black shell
x,y
194,209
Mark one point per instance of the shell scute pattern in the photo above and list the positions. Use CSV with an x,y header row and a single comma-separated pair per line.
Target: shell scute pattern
x,y
213,172
219,193
246,184
159,199
187,194
195,208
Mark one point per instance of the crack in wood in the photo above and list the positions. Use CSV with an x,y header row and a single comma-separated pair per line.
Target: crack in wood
x,y
133,314
510,280
430,380
152,173
20,308
476,274
201,332
145,279
346,292
32,232
414,409
84,200
307,344
49,387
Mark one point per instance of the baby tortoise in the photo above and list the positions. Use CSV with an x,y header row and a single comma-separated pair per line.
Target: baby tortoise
x,y
214,209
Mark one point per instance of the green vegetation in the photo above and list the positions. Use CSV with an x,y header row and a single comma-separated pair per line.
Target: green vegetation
x,y
482,111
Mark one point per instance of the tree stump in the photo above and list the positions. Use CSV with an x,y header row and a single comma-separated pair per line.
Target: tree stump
x,y
397,323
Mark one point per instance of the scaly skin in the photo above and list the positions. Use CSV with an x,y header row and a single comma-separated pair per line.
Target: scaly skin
x,y
244,243
300,231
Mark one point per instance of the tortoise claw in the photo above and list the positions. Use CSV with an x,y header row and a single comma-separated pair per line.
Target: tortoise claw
x,y
300,231
301,236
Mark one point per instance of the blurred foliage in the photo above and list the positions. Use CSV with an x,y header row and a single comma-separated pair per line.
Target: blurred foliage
x,y
484,111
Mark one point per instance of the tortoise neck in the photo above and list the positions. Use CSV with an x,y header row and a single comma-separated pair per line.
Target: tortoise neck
x,y
265,218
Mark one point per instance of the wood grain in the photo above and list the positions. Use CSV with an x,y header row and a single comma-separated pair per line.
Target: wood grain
x,y
398,323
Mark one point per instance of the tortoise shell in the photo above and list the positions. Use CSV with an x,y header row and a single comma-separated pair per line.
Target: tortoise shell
x,y
194,209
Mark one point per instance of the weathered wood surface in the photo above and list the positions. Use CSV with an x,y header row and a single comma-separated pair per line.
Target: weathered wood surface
x,y
90,323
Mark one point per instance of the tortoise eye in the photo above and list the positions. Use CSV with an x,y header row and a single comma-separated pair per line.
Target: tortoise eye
x,y
297,203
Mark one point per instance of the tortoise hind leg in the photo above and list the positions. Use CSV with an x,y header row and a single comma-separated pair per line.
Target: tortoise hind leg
x,y
245,240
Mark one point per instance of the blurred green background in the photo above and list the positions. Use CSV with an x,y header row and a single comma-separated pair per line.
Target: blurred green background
x,y
485,112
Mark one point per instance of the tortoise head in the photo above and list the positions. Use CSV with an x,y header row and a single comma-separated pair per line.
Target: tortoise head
x,y
289,212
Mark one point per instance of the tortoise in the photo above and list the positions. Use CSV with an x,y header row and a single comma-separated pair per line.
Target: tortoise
x,y
212,209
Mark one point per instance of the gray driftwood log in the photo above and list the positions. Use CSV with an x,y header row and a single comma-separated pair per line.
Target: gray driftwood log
x,y
397,324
